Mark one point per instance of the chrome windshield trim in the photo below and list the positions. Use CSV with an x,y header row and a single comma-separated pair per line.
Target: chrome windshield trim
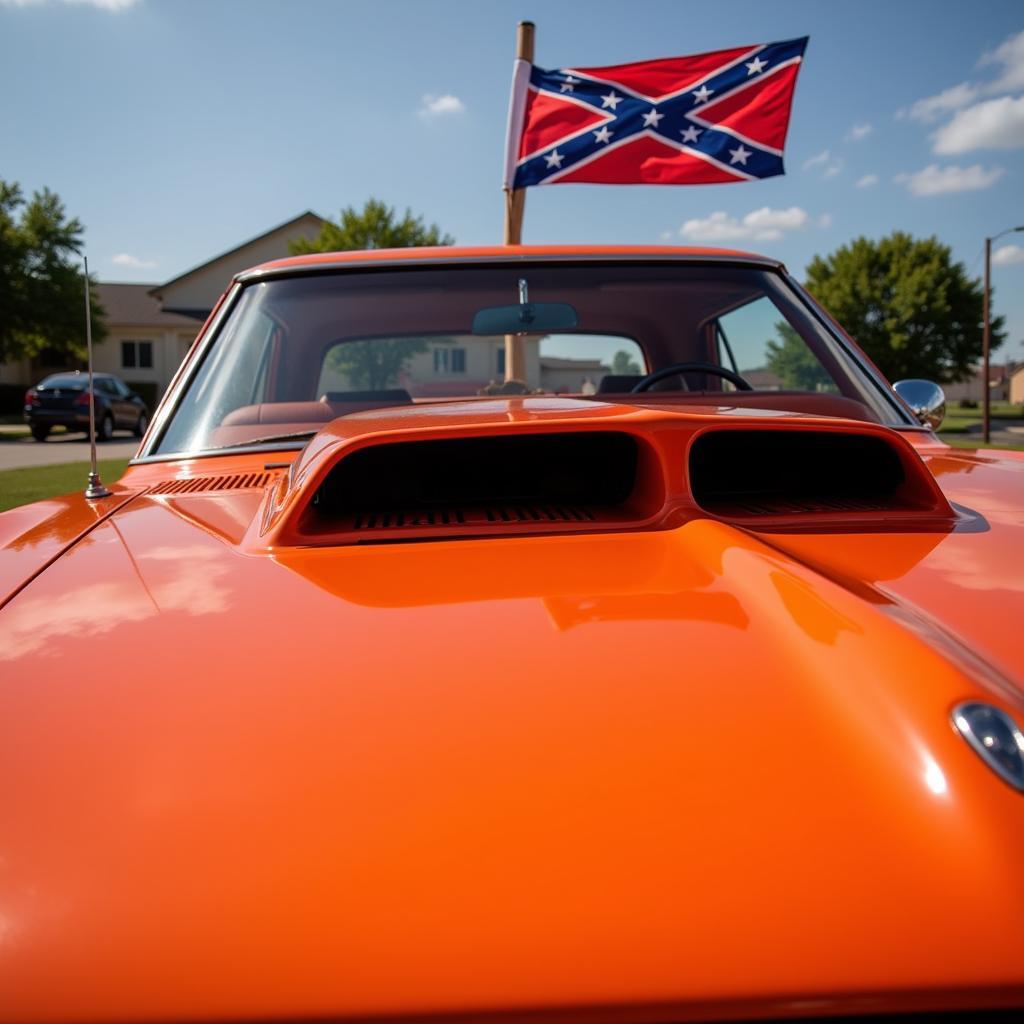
x,y
209,453
169,402
717,259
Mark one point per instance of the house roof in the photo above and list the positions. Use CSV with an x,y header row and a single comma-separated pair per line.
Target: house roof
x,y
136,305
157,288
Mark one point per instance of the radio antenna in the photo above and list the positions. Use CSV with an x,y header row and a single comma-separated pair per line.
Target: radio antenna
x,y
95,489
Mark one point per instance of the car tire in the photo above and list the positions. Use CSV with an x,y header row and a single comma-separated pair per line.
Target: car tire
x,y
40,433
105,428
141,424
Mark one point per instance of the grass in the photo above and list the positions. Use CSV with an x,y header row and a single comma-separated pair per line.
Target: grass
x,y
959,421
21,486
969,442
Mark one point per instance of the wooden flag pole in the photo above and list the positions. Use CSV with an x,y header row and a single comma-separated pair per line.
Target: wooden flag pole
x,y
515,205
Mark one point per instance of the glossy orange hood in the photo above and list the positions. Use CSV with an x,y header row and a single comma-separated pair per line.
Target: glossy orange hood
x,y
643,776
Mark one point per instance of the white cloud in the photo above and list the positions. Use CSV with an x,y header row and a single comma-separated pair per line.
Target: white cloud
x,y
933,107
126,259
104,5
860,131
991,124
816,161
832,166
1007,254
935,180
439,106
763,225
867,181
825,220
1010,54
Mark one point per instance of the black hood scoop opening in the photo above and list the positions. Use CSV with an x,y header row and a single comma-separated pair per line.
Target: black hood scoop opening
x,y
495,484
750,475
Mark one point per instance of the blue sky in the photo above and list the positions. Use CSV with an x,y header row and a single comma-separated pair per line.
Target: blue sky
x,y
176,129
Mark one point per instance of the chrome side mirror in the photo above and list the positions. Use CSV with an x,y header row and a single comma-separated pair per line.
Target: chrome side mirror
x,y
926,399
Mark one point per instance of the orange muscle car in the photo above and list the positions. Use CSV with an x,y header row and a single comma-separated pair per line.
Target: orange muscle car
x,y
542,634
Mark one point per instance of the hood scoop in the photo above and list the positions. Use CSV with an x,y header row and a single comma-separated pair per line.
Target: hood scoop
x,y
225,482
510,483
641,470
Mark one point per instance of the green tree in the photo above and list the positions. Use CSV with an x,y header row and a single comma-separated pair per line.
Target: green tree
x,y
41,283
794,363
375,226
909,305
624,365
373,365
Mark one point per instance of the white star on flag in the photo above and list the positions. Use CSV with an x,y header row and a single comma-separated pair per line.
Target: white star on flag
x,y
701,95
690,134
554,158
567,85
602,134
756,66
652,117
611,100
739,155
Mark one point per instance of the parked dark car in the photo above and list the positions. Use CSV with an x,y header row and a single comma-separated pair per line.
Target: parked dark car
x,y
62,399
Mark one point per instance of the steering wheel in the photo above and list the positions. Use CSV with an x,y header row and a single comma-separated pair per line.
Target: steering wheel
x,y
675,368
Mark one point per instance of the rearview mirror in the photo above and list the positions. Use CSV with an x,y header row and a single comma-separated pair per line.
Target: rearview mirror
x,y
525,318
926,399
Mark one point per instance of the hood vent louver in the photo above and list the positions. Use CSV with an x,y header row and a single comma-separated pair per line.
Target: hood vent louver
x,y
454,517
226,482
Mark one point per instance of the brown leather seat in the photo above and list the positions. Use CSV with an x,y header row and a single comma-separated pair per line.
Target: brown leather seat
x,y
280,412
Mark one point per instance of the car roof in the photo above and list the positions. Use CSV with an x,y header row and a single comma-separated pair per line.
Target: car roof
x,y
446,254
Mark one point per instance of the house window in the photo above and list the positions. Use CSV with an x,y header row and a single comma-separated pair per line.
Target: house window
x,y
137,354
501,361
449,360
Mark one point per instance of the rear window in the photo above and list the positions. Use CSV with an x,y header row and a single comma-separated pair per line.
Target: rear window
x,y
68,381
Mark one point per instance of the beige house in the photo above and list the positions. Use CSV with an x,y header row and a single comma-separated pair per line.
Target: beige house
x,y
151,326
1017,385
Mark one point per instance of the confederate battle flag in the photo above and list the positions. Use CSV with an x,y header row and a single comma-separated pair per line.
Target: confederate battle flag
x,y
697,120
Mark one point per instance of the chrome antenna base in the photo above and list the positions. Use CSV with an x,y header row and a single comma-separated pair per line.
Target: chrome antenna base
x,y
96,489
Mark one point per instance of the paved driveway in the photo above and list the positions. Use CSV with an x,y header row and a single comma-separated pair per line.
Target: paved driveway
x,y
18,453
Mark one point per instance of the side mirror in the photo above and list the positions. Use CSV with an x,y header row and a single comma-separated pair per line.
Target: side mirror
x,y
926,399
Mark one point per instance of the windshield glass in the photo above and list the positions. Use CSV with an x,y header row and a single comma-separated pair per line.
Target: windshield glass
x,y
297,352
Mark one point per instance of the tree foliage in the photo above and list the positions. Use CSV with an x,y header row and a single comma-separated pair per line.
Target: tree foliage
x,y
375,226
375,364
624,365
794,363
907,303
42,299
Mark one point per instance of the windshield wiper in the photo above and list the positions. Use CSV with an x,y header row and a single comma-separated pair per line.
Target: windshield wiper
x,y
269,439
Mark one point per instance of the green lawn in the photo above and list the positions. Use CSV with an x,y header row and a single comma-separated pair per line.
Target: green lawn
x,y
954,441
958,420
21,486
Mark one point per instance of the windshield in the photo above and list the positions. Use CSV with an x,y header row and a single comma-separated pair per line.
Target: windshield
x,y
297,352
